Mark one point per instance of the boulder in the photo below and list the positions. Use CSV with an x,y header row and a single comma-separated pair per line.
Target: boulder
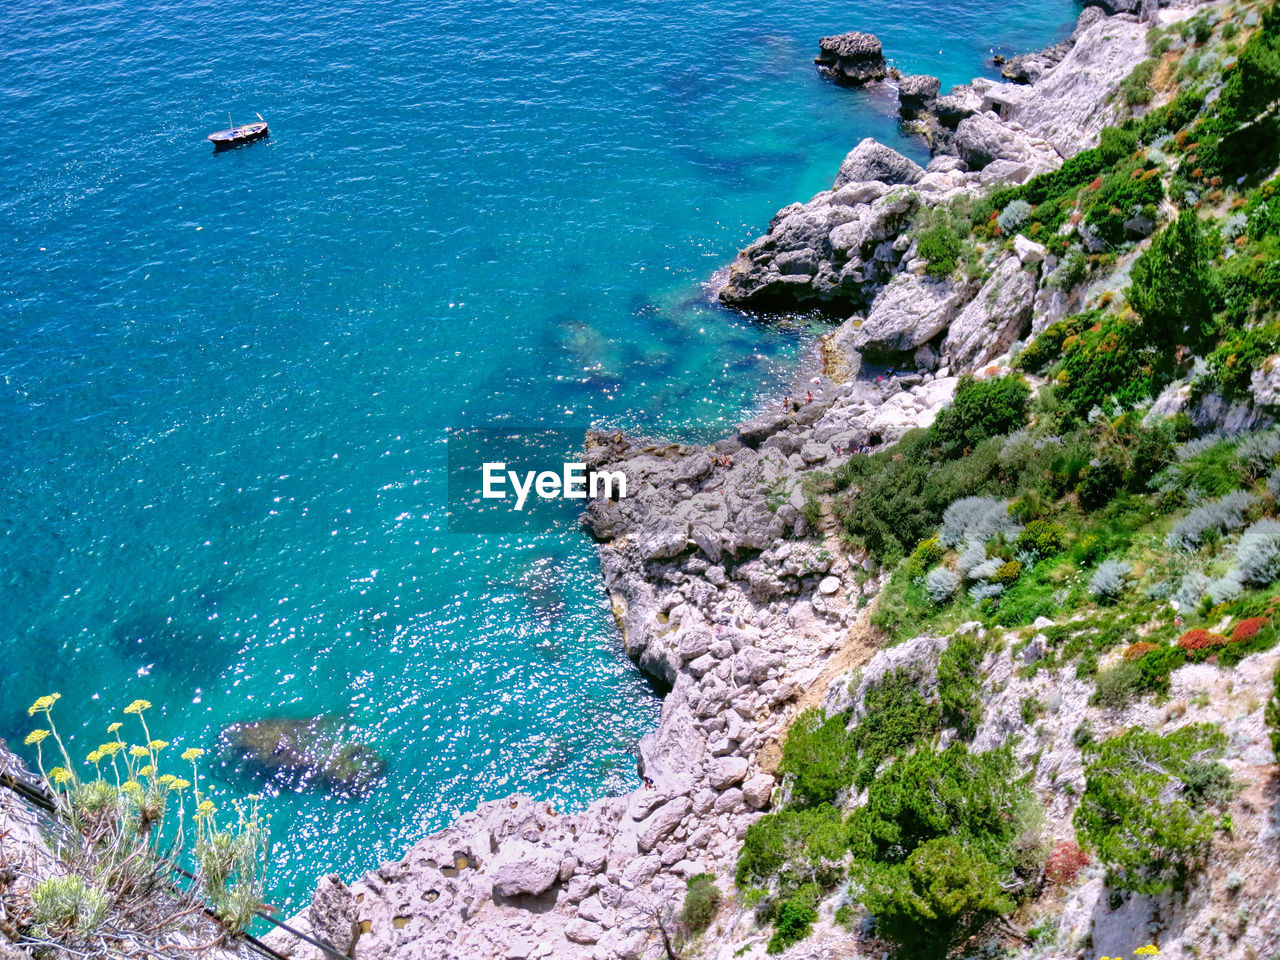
x,y
521,869
332,914
726,771
916,93
1029,252
983,138
851,58
871,160
661,823
1264,382
757,790
908,313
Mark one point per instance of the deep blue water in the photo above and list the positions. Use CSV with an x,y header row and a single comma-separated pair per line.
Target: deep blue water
x,y
225,378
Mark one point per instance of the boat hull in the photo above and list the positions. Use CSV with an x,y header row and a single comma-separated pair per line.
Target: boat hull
x,y
235,136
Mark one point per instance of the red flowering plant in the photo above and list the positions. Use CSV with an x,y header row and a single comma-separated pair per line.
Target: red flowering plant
x,y
1065,863
1200,644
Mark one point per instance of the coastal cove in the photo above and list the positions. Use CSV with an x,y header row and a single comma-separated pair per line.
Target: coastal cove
x,y
228,376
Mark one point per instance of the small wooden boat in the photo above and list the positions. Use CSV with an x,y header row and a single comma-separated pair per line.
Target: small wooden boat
x,y
233,136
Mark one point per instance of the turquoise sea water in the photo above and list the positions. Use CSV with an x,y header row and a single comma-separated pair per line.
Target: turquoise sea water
x,y
224,379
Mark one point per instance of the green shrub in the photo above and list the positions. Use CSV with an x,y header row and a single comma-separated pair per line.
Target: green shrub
x,y
926,554
1248,286
125,818
790,848
701,901
67,907
1044,538
792,923
943,894
1136,814
1176,115
1232,363
946,841
1099,483
1109,359
1007,574
1088,550
1118,685
982,409
960,683
1032,709
1172,284
892,500
1157,665
897,717
940,246
1135,90
1046,348
818,757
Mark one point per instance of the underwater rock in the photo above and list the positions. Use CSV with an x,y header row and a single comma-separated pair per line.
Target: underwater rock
x,y
305,755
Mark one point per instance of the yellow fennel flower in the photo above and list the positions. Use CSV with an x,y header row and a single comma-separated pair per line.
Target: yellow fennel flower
x,y
192,753
114,727
157,744
137,751
179,784
60,775
43,704
148,771
94,757
206,809
138,706
36,736
167,779
131,786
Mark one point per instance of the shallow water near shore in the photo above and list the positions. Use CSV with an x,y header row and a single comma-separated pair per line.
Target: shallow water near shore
x,y
226,377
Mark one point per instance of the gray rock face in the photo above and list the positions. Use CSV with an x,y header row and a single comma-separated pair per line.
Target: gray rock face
x,y
999,314
1264,383
333,914
982,139
851,58
870,160
1030,67
909,312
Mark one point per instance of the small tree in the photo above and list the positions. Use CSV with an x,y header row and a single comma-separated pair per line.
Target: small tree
x,y
944,893
1145,810
981,409
701,901
1172,284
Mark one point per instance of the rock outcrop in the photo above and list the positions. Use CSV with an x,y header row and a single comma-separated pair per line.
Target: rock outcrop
x,y
917,93
851,58
871,160
855,247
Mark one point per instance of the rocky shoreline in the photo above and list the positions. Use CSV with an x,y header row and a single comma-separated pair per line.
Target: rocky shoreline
x,y
720,583
728,584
